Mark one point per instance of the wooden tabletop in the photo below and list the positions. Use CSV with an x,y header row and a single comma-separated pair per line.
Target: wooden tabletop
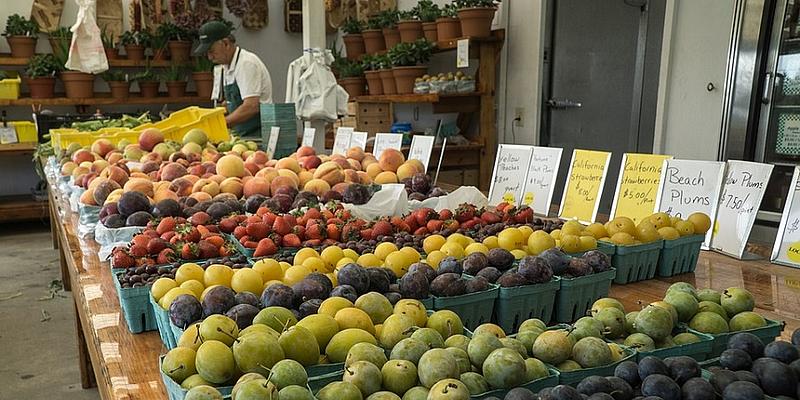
x,y
126,365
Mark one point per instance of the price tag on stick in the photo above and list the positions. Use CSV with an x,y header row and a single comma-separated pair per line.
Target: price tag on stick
x,y
421,149
439,164
308,136
342,140
358,139
787,243
385,141
272,142
541,181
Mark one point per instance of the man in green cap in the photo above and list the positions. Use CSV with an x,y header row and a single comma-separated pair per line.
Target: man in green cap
x,y
240,77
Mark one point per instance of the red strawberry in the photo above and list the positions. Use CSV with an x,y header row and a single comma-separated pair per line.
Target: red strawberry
x,y
200,218
313,213
258,230
189,233
469,224
312,243
168,235
150,233
291,240
228,225
250,244
140,240
138,250
189,251
239,231
266,247
166,256
451,225
244,239
381,228
290,219
411,221
349,232
316,231
465,212
154,246
281,226
212,228
434,225
299,231
445,214
329,242
261,211
121,259
366,234
277,239
167,224
333,232
502,207
424,214
489,217
523,215
207,250
421,231
269,218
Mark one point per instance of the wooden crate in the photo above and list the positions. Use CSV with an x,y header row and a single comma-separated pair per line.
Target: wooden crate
x,y
374,117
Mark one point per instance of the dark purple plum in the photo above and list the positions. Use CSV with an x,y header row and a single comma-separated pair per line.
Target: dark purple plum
x,y
308,289
378,280
218,211
735,360
490,273
535,270
501,259
511,280
354,275
421,183
556,259
139,218
108,210
415,285
448,284
277,295
243,314
474,263
253,202
577,267
346,291
331,195
393,297
598,260
309,307
323,280
247,298
782,351
450,265
682,368
477,284
594,384
697,389
356,194
283,202
429,272
185,310
131,202
748,342
218,300
114,221
661,386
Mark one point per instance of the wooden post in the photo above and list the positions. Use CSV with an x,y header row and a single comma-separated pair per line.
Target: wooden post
x,y
314,38
487,126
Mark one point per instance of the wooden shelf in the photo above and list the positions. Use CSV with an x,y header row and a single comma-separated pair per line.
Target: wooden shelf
x,y
18,148
452,44
6,59
414,98
21,208
105,99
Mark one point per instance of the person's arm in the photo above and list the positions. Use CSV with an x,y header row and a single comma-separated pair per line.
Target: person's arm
x,y
250,107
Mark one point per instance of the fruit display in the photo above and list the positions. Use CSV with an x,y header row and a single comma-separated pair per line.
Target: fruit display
x,y
622,230
568,351
420,187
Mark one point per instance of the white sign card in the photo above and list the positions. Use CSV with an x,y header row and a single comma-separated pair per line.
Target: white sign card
x,y
510,173
421,149
272,141
786,250
341,141
690,186
308,136
541,179
744,186
358,139
8,135
462,53
385,141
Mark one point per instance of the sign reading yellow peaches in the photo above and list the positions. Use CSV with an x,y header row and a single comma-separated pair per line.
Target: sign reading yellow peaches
x,y
637,187
585,180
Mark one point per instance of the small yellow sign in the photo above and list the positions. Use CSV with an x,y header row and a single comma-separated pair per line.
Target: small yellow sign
x,y
527,198
638,185
508,197
584,184
793,252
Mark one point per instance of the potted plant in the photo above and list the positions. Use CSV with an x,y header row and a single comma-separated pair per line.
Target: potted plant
x,y
408,61
448,26
384,66
118,83
109,44
371,65
409,25
175,78
148,83
135,42
353,41
203,77
21,36
40,75
60,35
373,35
391,36
476,17
428,13
178,41
159,47
77,84
351,77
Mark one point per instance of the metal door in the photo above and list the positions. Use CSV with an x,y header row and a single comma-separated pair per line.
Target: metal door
x,y
601,79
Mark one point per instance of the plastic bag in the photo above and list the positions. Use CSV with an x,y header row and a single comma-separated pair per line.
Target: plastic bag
x,y
86,53
320,97
88,217
466,86
391,200
464,194
422,87
109,238
74,198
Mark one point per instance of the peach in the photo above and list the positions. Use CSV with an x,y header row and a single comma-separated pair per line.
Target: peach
x,y
288,163
98,166
206,185
209,155
342,162
247,154
81,156
373,170
225,196
256,185
215,177
164,194
310,162
281,181
140,174
231,165
191,148
117,174
88,198
160,185
406,171
337,156
141,185
252,167
391,159
196,169
317,186
233,186
304,177
209,167
304,151
102,147
268,173
364,178
330,172
351,175
354,164
133,152
114,157
290,174
386,177
151,157
149,138
173,171
200,196
340,187
417,164
181,187
259,157
368,159
356,153
68,167
191,178
271,163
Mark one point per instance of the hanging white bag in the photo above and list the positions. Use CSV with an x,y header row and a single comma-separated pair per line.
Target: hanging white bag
x,y
86,53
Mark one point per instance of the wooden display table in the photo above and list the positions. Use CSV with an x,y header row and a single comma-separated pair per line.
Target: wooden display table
x,y
125,365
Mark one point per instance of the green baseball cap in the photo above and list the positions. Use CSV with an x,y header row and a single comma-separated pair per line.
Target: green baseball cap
x,y
209,33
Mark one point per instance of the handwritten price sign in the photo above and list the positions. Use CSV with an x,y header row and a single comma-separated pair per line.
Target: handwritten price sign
x,y
637,187
510,171
585,180
787,243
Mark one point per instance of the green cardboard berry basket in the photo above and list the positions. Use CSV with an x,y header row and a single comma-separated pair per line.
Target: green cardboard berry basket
x,y
679,256
574,377
135,306
766,333
606,248
516,304
473,308
164,325
636,262
534,386
239,247
176,392
318,382
576,295
700,351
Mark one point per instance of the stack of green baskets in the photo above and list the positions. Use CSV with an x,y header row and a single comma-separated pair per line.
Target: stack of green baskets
x,y
516,304
473,308
534,386
135,305
636,262
700,351
574,377
679,256
767,334
164,325
281,116
577,295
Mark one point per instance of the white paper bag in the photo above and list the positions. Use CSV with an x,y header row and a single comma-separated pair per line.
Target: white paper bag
x,y
464,194
86,53
391,200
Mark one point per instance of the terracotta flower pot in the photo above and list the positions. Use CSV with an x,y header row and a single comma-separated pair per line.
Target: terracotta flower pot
x,y
429,30
42,88
119,89
410,30
134,52
160,54
387,81
354,86
112,54
204,83
149,89
354,46
391,36
404,77
476,22
78,85
179,50
176,88
22,46
373,41
448,28
374,82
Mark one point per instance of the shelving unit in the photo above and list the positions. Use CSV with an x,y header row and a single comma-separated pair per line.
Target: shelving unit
x,y
7,60
376,110
18,148
21,208
103,99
